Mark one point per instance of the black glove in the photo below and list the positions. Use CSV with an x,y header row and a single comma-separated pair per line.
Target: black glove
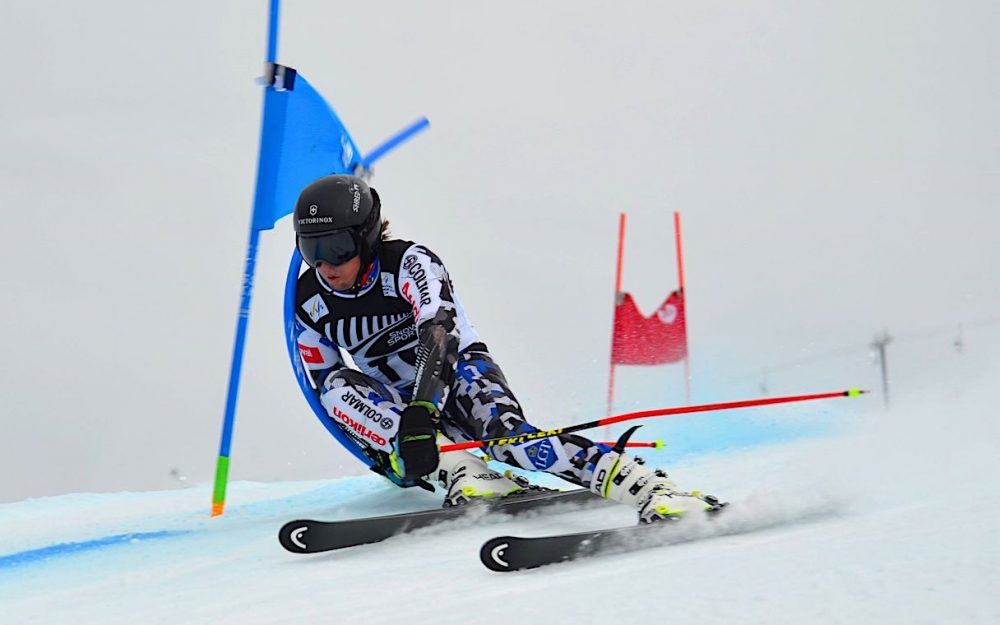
x,y
415,444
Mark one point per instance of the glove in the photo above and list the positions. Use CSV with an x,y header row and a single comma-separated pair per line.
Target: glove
x,y
415,444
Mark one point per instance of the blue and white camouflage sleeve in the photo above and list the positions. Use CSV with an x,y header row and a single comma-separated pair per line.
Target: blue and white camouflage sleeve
x,y
424,282
320,356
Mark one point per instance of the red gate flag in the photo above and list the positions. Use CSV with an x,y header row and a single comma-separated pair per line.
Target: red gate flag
x,y
654,340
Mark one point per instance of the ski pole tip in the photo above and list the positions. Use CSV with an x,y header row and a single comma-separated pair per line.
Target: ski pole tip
x,y
855,392
659,444
217,508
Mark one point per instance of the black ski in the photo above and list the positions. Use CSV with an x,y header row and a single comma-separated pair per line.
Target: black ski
x,y
512,553
309,536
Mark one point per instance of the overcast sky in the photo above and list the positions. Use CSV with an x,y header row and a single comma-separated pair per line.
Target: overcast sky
x,y
835,166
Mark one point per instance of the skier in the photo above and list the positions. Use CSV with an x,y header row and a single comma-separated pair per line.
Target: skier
x,y
422,374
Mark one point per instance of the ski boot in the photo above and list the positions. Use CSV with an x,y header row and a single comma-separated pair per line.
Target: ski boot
x,y
624,479
466,477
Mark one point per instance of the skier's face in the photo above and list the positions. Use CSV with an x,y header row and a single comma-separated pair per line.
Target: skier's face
x,y
340,277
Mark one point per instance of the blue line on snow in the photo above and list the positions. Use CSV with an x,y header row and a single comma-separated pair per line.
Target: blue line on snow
x,y
691,436
63,549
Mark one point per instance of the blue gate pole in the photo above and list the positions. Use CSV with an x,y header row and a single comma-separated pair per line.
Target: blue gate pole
x,y
222,465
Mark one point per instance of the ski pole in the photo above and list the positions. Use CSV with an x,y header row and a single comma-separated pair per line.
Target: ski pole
x,y
657,444
643,414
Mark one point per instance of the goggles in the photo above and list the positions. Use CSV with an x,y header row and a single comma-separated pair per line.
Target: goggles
x,y
335,248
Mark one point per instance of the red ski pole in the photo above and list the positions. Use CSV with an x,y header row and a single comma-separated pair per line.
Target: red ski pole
x,y
643,414
657,444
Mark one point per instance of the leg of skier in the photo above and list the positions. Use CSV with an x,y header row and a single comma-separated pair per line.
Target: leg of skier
x,y
368,412
482,406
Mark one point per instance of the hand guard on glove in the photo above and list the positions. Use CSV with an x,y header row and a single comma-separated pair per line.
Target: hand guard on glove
x,y
415,444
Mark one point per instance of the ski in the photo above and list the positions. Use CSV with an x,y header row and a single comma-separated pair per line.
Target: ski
x,y
311,536
513,553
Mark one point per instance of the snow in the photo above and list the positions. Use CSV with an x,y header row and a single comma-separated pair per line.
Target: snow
x,y
836,175
892,518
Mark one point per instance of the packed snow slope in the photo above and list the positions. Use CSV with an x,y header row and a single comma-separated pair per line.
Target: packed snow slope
x,y
892,517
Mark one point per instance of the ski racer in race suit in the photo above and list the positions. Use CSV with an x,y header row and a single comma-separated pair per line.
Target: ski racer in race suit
x,y
420,368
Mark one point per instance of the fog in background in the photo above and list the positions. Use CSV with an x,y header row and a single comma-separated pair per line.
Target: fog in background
x,y
835,167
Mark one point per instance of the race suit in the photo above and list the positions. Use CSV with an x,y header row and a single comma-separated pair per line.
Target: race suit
x,y
404,319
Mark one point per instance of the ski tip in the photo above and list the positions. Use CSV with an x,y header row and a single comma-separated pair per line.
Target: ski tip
x,y
293,536
493,554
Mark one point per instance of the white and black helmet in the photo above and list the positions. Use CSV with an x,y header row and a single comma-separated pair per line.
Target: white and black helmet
x,y
336,218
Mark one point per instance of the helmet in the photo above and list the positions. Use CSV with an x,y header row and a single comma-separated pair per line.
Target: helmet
x,y
337,218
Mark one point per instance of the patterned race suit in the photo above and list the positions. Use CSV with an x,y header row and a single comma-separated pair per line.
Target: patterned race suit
x,y
406,314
